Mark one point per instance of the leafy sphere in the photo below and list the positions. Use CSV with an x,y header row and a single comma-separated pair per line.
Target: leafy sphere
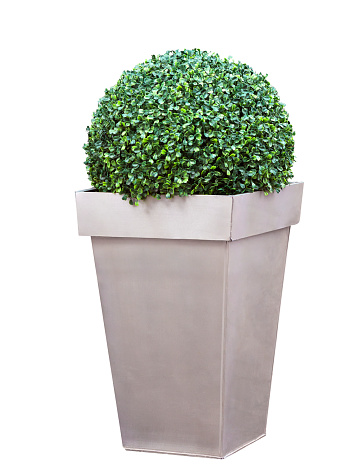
x,y
188,122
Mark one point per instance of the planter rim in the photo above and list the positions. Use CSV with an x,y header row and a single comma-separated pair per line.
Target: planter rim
x,y
198,217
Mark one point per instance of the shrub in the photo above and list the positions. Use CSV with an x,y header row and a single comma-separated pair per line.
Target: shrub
x,y
188,122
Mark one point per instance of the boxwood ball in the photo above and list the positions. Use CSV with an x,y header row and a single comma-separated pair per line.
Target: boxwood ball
x,y
189,122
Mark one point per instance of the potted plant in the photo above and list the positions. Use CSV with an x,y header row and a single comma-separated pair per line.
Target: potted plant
x,y
191,279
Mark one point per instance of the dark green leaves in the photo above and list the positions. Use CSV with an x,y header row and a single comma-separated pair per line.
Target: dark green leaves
x,y
189,122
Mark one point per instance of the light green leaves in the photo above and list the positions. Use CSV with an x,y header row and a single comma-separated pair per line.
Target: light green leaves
x,y
189,122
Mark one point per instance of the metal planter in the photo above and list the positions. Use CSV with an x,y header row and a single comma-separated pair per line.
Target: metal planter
x,y
190,291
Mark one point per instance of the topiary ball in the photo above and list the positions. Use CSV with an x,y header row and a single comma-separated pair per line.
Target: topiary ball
x,y
188,122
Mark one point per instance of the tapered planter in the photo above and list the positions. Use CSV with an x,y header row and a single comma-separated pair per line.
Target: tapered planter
x,y
190,291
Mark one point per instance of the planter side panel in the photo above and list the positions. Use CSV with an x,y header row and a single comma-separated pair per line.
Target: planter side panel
x,y
255,278
197,217
162,303
254,214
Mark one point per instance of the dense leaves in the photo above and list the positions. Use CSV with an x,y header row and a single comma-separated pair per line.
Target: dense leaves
x,y
189,122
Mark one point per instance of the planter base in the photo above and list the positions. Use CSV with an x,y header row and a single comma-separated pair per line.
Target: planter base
x,y
196,454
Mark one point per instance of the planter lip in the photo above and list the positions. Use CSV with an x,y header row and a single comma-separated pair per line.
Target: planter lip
x,y
198,217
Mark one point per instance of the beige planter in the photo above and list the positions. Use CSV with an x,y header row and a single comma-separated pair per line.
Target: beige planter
x,y
190,291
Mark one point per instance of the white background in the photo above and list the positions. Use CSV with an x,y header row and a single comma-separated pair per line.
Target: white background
x,y
57,411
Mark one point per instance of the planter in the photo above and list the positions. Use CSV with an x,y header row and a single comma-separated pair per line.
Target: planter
x,y
190,291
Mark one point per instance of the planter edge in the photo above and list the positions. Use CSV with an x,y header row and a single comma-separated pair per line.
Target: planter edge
x,y
197,217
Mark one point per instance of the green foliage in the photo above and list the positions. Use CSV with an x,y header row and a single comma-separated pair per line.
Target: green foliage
x,y
188,122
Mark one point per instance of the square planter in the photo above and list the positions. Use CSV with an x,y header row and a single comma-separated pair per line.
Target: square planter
x,y
190,290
